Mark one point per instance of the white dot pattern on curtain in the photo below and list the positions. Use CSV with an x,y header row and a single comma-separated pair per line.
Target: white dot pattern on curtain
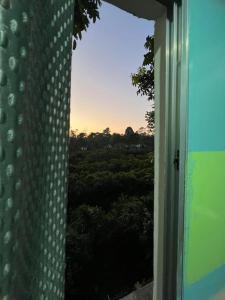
x,y
35,68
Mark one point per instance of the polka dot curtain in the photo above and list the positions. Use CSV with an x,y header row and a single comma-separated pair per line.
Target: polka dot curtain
x,y
35,66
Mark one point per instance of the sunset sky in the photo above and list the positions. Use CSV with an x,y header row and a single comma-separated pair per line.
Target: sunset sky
x,y
102,94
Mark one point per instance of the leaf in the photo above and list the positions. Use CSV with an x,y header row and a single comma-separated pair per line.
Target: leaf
x,y
85,11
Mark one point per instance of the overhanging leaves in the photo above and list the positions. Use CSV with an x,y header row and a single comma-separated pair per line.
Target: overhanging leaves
x,y
85,11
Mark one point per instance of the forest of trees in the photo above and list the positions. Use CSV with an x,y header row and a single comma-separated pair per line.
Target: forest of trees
x,y
110,214
110,204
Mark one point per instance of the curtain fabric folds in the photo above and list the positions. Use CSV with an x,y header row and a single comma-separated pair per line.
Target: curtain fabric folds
x,y
35,67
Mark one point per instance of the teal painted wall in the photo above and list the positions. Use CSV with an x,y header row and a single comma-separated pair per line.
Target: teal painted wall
x,y
204,248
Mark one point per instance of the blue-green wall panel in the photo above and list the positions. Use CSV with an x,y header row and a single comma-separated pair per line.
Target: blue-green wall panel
x,y
207,287
207,75
204,229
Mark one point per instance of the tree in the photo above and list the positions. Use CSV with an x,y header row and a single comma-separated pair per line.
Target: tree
x,y
141,131
110,215
74,133
82,135
129,131
106,131
85,11
144,80
150,118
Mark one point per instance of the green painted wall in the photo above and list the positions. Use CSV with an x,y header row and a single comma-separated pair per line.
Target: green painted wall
x,y
204,249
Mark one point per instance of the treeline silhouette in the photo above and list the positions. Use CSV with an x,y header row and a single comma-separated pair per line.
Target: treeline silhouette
x,y
103,139
110,214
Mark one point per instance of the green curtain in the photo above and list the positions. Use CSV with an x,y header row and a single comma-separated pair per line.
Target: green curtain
x,y
35,67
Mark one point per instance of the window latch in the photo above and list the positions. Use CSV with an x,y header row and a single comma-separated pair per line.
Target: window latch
x,y
177,160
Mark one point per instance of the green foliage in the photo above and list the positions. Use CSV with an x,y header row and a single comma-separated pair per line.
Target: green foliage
x,y
149,56
106,131
110,216
97,140
85,11
150,118
144,80
129,131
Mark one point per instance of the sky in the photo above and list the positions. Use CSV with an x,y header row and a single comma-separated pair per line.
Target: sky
x,y
102,94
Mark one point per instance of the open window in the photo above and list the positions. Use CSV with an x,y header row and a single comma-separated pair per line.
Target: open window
x,y
35,61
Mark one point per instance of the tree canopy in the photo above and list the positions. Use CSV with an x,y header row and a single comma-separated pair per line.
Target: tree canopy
x,y
85,12
109,244
144,80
